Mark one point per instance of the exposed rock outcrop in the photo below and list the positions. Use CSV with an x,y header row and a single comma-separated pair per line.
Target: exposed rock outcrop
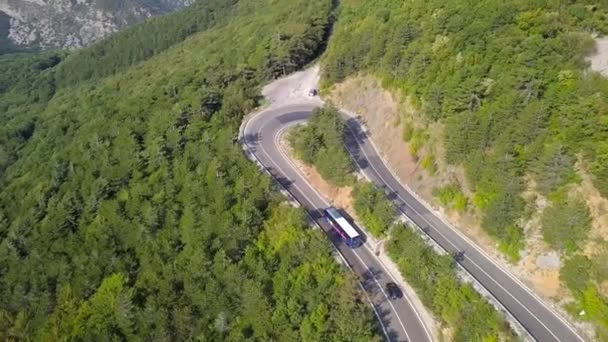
x,y
73,24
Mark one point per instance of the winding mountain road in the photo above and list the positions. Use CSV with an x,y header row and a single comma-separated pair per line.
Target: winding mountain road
x,y
260,134
399,319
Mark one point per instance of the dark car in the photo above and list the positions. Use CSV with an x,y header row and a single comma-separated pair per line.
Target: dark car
x,y
393,291
458,256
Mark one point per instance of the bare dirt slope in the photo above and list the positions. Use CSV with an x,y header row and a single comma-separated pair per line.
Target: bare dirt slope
x,y
378,110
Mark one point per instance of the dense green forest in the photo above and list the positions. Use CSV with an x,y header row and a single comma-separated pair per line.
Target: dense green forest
x,y
25,88
128,211
509,83
321,143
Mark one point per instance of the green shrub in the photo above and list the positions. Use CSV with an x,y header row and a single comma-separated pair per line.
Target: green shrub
x,y
582,275
419,138
408,132
375,210
446,194
577,273
512,243
460,202
428,163
596,307
450,196
321,143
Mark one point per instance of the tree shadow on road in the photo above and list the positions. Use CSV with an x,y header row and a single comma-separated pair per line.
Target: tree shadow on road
x,y
252,139
386,318
353,134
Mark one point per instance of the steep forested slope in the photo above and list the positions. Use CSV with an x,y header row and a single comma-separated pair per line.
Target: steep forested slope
x,y
128,211
22,83
143,41
509,84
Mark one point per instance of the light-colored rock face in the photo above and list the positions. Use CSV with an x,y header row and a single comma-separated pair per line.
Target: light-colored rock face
x,y
599,60
73,24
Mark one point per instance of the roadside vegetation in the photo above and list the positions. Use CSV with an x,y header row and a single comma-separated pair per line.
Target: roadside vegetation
x,y
128,211
468,316
450,196
373,208
321,143
509,83
584,277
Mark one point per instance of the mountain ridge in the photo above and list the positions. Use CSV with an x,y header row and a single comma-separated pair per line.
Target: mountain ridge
x,y
70,24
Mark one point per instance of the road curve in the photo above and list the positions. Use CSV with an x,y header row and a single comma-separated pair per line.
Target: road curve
x,y
537,317
399,319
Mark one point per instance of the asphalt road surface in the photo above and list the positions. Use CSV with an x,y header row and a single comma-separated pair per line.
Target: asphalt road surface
x,y
260,134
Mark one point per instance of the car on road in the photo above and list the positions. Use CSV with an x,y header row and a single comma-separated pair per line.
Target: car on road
x,y
393,291
313,92
458,256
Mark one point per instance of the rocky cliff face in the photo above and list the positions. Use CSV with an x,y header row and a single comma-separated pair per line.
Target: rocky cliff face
x,y
75,23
